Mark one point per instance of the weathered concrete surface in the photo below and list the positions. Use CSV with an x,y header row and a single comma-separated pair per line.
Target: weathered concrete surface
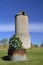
x,y
22,30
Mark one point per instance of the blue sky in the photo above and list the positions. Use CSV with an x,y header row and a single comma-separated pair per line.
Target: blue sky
x,y
34,8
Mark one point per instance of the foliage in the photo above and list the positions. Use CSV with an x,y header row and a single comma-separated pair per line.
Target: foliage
x,y
4,41
41,45
34,45
15,43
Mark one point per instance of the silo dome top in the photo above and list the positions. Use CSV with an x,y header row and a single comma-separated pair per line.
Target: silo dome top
x,y
21,13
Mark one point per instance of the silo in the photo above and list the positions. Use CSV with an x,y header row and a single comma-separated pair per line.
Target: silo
x,y
21,29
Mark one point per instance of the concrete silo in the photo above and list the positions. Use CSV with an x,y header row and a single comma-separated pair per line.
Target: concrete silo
x,y
21,29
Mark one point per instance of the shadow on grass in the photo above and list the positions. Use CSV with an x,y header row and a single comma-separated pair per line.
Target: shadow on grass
x,y
6,58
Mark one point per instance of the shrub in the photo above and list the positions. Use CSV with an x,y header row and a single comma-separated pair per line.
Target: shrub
x,y
15,43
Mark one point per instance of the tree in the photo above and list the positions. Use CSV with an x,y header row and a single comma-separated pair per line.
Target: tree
x,y
4,41
41,45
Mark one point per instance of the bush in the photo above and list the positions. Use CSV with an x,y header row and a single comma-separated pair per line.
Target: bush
x,y
15,43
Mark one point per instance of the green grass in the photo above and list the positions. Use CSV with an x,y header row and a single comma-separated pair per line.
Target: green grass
x,y
34,55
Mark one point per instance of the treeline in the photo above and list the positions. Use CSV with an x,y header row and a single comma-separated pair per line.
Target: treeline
x,y
35,45
5,42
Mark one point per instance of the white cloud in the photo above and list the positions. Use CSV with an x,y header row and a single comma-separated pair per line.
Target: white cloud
x,y
33,27
36,27
7,28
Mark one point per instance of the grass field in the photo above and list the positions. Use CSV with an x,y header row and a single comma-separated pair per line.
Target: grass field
x,y
34,55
